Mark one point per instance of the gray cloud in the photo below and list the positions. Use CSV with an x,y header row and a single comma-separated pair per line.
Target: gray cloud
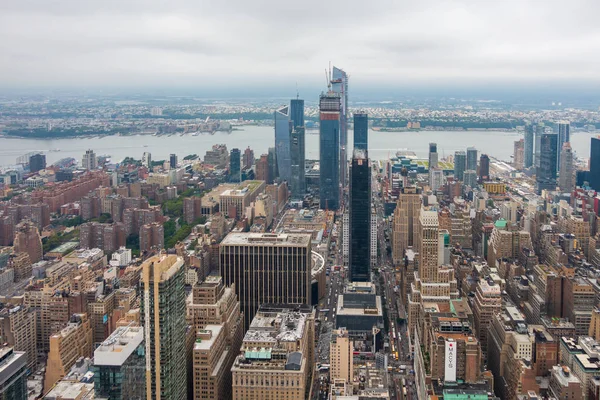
x,y
145,42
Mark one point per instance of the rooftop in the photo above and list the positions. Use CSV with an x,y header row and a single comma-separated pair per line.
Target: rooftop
x,y
208,336
268,239
118,346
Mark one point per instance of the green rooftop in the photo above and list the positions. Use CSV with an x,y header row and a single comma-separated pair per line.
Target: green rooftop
x,y
500,224
258,354
65,248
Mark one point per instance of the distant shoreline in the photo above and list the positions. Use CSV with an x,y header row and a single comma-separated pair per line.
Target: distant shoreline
x,y
237,129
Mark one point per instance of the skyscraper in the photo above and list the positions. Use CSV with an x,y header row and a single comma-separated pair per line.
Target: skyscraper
x,y
594,175
528,150
406,217
163,318
329,140
566,177
272,163
519,154
282,142
484,167
37,162
360,217
267,268
147,160
297,112
539,131
361,131
472,158
460,163
546,171
298,179
235,170
339,85
433,156
564,136
262,169
173,161
248,158
89,161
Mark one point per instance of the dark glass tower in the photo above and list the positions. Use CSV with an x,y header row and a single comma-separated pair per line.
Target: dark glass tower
x,y
329,154
339,85
173,160
472,158
235,170
298,179
484,167
360,217
433,155
297,112
282,142
539,131
528,152
564,136
460,163
594,175
546,172
361,131
272,162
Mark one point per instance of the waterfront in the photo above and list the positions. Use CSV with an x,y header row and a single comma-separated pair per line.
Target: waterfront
x,y
497,144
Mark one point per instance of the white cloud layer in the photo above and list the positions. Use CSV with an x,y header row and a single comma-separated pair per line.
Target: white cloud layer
x,y
384,42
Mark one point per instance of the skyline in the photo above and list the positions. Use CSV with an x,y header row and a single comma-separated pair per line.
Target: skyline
x,y
399,45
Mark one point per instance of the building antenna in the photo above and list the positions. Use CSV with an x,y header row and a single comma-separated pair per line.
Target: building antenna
x,y
297,93
327,80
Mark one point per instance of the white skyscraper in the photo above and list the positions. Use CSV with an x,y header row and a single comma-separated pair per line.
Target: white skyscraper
x,y
89,160
373,239
346,238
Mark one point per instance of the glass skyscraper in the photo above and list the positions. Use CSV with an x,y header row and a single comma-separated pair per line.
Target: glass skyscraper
x,y
298,179
329,154
361,131
360,217
564,136
297,112
282,143
472,158
339,85
460,163
235,171
594,175
546,172
529,140
539,131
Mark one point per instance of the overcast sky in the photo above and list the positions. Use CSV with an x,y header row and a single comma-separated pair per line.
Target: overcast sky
x,y
141,43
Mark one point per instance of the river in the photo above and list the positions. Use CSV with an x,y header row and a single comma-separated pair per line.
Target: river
x,y
497,144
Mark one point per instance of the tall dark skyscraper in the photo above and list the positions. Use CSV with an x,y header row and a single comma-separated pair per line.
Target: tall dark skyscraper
x,y
546,172
272,163
433,156
298,179
235,170
539,131
282,142
173,160
594,175
361,131
472,158
339,85
484,167
329,154
460,164
360,217
564,136
297,150
297,112
528,152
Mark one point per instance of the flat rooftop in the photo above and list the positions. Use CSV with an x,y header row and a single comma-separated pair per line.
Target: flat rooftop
x,y
119,345
282,327
206,344
268,239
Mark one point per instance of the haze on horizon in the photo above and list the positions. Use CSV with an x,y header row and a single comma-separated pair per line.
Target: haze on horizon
x,y
265,43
